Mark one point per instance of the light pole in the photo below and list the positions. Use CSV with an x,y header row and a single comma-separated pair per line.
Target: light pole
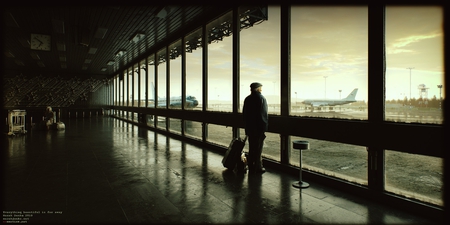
x,y
410,68
440,98
325,85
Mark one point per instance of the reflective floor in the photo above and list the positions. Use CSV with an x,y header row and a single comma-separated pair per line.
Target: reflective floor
x,y
102,170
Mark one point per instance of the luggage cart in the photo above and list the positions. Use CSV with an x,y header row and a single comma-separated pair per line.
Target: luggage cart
x,y
16,121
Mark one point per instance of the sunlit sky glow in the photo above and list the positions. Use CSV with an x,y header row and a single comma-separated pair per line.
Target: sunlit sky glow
x,y
329,53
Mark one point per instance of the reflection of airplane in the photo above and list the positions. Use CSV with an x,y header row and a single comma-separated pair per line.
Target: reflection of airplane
x,y
175,102
331,102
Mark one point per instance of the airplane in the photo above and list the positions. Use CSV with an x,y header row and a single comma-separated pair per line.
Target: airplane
x,y
331,102
175,102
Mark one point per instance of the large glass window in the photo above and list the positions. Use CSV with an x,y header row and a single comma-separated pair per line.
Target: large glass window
x,y
414,64
175,75
136,76
345,161
329,61
415,176
260,55
220,64
194,77
162,78
193,129
124,88
142,83
130,82
151,81
218,134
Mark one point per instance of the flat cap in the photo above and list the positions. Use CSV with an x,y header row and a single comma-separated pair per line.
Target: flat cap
x,y
255,85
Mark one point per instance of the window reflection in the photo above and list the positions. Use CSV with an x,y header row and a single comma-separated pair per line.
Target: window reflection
x,y
193,129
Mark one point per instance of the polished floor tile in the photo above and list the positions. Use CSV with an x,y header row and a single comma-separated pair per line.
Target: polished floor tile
x,y
103,170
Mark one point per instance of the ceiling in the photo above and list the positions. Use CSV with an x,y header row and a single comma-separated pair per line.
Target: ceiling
x,y
86,40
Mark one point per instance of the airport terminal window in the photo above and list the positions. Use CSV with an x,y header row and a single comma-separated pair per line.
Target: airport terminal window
x,y
175,75
161,122
260,59
344,161
125,89
175,125
329,60
220,64
415,176
142,83
220,135
193,129
414,64
136,76
130,81
194,77
162,79
151,81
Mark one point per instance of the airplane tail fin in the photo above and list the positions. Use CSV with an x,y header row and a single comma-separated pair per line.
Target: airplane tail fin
x,y
352,95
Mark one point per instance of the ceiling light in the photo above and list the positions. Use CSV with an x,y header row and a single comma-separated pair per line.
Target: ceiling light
x,y
137,37
100,32
34,55
110,62
120,53
9,54
103,69
60,46
92,50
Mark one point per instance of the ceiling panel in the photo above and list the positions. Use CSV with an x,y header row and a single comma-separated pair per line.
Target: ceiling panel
x,y
85,39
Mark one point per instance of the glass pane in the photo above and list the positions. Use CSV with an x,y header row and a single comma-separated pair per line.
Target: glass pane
x,y
193,129
175,75
348,162
414,64
220,64
162,78
220,135
130,82
175,125
415,176
271,148
142,83
150,120
329,61
124,86
151,81
260,57
136,77
194,78
160,122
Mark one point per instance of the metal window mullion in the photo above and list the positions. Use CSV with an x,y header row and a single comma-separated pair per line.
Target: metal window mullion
x,y
376,101
183,80
285,78
236,65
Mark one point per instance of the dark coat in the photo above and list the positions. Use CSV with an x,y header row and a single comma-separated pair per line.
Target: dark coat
x,y
255,113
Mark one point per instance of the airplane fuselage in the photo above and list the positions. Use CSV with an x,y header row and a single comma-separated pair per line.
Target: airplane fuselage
x,y
325,102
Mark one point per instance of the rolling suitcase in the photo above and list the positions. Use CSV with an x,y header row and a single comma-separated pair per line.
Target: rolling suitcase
x,y
233,153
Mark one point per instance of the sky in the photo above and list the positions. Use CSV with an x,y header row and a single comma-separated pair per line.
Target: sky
x,y
329,53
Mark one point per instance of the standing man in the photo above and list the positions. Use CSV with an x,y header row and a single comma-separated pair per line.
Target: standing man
x,y
256,123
